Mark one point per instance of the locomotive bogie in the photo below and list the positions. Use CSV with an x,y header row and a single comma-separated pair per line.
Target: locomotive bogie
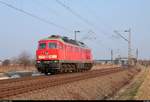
x,y
53,68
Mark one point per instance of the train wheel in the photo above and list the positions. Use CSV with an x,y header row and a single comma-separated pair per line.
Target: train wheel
x,y
46,73
65,71
53,73
74,68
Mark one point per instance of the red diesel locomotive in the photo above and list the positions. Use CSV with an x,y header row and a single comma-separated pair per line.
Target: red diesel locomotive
x,y
57,54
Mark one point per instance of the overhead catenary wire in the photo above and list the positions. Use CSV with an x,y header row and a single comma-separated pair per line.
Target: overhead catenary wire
x,y
84,20
80,17
121,36
38,2
34,16
88,36
76,14
107,26
73,12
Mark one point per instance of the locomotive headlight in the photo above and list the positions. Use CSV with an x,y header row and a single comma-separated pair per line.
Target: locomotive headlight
x,y
38,61
52,56
55,61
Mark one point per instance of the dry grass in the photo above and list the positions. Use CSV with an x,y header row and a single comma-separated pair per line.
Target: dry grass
x,y
129,91
104,66
4,69
144,90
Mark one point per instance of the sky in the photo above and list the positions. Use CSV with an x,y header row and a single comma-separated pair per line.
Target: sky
x,y
95,19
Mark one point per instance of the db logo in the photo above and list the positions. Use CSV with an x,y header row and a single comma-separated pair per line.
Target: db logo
x,y
46,57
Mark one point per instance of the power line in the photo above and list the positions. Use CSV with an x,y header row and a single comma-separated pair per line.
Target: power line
x,y
38,2
80,17
32,15
107,26
74,13
77,15
121,35
87,37
93,13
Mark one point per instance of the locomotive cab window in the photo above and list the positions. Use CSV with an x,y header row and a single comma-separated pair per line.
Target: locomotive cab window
x,y
52,45
42,45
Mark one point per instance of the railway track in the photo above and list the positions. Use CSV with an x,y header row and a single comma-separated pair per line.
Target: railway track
x,y
23,85
8,81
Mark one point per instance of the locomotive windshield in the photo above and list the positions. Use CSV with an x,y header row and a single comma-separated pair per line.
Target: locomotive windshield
x,y
52,45
42,45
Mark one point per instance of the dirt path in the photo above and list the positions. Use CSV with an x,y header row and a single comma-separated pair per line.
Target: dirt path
x,y
144,90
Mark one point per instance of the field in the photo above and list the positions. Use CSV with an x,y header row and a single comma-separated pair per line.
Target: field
x,y
5,69
104,66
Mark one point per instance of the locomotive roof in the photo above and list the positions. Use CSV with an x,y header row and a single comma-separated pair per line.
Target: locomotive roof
x,y
66,40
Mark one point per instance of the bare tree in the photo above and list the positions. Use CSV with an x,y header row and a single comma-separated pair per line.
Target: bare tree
x,y
14,61
6,62
33,61
24,59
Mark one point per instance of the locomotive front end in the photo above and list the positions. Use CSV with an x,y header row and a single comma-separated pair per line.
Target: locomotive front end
x,y
47,58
